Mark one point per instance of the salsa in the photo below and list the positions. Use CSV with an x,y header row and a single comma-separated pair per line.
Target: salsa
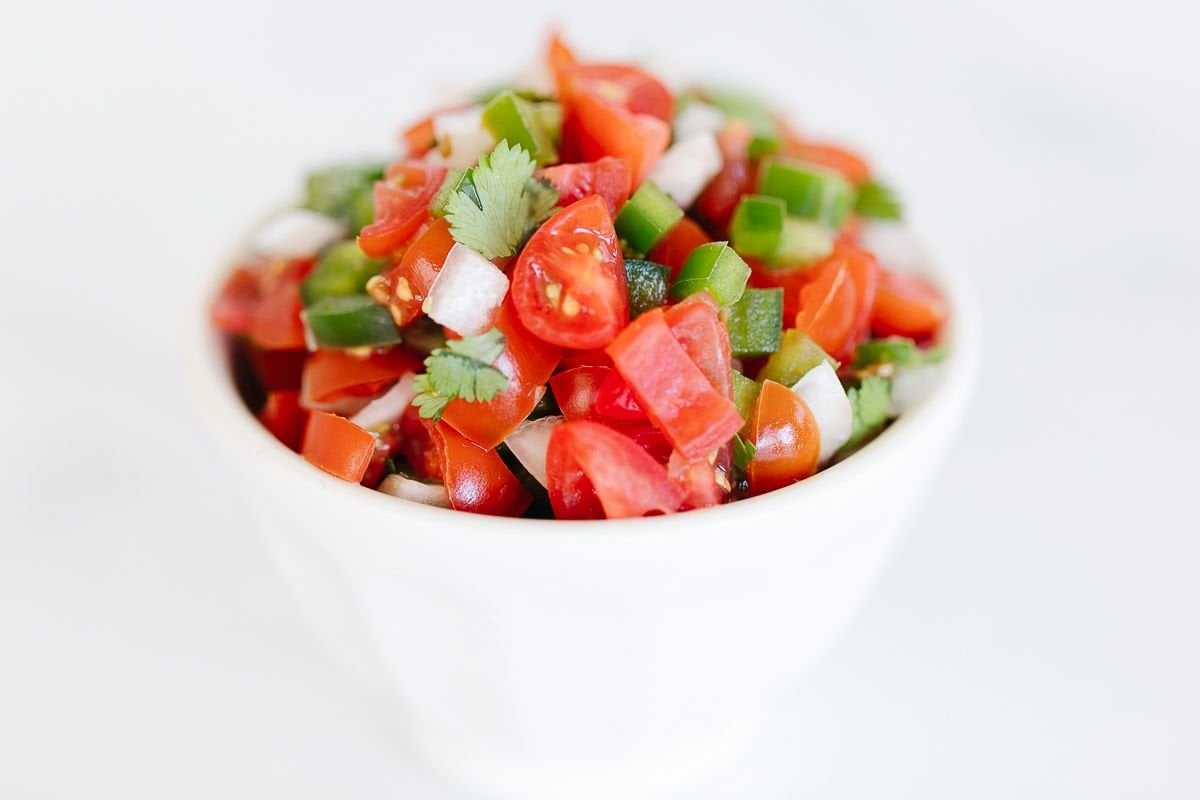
x,y
582,296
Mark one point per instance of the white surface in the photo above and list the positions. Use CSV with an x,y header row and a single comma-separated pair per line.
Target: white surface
x,y
1036,638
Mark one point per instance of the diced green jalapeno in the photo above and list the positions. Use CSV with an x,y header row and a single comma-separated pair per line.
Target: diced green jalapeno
x,y
510,117
757,225
343,270
715,267
457,180
752,111
745,395
646,283
754,322
344,192
647,217
810,191
877,201
350,322
549,116
801,244
797,354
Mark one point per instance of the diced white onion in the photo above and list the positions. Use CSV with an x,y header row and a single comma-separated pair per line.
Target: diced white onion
x,y
388,407
529,442
911,386
696,118
466,293
537,79
822,392
296,233
894,244
687,166
461,137
430,494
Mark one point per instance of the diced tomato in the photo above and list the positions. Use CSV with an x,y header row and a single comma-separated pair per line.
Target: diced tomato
x,y
835,303
558,55
838,159
576,389
277,324
333,376
785,435
338,446
278,370
418,138
584,358
650,439
477,479
676,394
630,88
698,480
609,177
678,244
569,282
595,472
282,415
864,271
420,444
401,205
387,444
596,125
234,308
696,325
405,286
906,305
615,399
527,361
720,197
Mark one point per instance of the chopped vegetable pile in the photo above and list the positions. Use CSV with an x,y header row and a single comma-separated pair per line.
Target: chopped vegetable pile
x,y
584,296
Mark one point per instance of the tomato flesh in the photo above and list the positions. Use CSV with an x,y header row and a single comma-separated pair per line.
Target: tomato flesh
x,y
785,435
678,244
282,415
477,479
401,205
569,282
695,324
334,376
608,177
836,301
338,446
594,127
906,305
405,286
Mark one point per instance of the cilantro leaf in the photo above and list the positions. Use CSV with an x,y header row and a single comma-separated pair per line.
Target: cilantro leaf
x,y
898,350
871,402
507,202
743,452
461,369
878,201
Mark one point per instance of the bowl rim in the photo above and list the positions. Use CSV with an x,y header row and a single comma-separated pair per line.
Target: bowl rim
x,y
214,393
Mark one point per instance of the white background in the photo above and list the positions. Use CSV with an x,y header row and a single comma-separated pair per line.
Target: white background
x,y
1036,637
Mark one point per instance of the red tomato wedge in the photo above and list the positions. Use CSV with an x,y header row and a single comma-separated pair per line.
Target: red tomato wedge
x,y
615,399
234,308
420,444
595,472
418,138
906,305
527,361
331,376
405,286
576,389
282,415
695,324
609,177
277,324
597,125
401,205
558,55
835,304
853,167
698,480
737,177
279,370
477,479
785,435
676,394
678,244
628,87
338,446
569,282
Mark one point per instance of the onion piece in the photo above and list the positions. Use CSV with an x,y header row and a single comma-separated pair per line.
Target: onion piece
x,y
430,494
296,233
822,392
529,442
382,412
687,167
461,137
467,292
697,118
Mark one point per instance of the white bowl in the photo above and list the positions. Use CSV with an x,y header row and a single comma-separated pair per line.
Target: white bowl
x,y
544,659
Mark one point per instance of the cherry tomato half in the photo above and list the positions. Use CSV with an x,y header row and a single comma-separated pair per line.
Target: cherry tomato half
x,y
609,177
477,480
401,205
906,305
785,434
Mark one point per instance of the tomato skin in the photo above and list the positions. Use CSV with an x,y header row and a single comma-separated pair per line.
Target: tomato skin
x,y
650,439
527,361
594,127
615,399
695,324
559,55
906,305
851,166
420,444
234,308
676,394
332,377
401,205
628,87
576,389
836,301
569,282
277,324
864,271
279,370
678,244
338,446
282,415
405,286
785,434
477,479
737,177
595,472
698,480
608,177
419,138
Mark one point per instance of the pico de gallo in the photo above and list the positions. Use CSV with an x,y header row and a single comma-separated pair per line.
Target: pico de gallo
x,y
583,296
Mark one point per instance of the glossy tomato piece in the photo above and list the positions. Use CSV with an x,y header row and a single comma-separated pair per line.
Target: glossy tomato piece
x,y
559,55
864,272
279,370
906,305
650,439
277,324
338,446
576,389
698,480
716,203
527,361
595,472
628,87
835,303
282,415
696,325
677,396
234,308
615,400
569,282
401,205
420,444
419,138
585,358
785,435
477,479
609,178
678,244
405,286
594,127
333,377
852,166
